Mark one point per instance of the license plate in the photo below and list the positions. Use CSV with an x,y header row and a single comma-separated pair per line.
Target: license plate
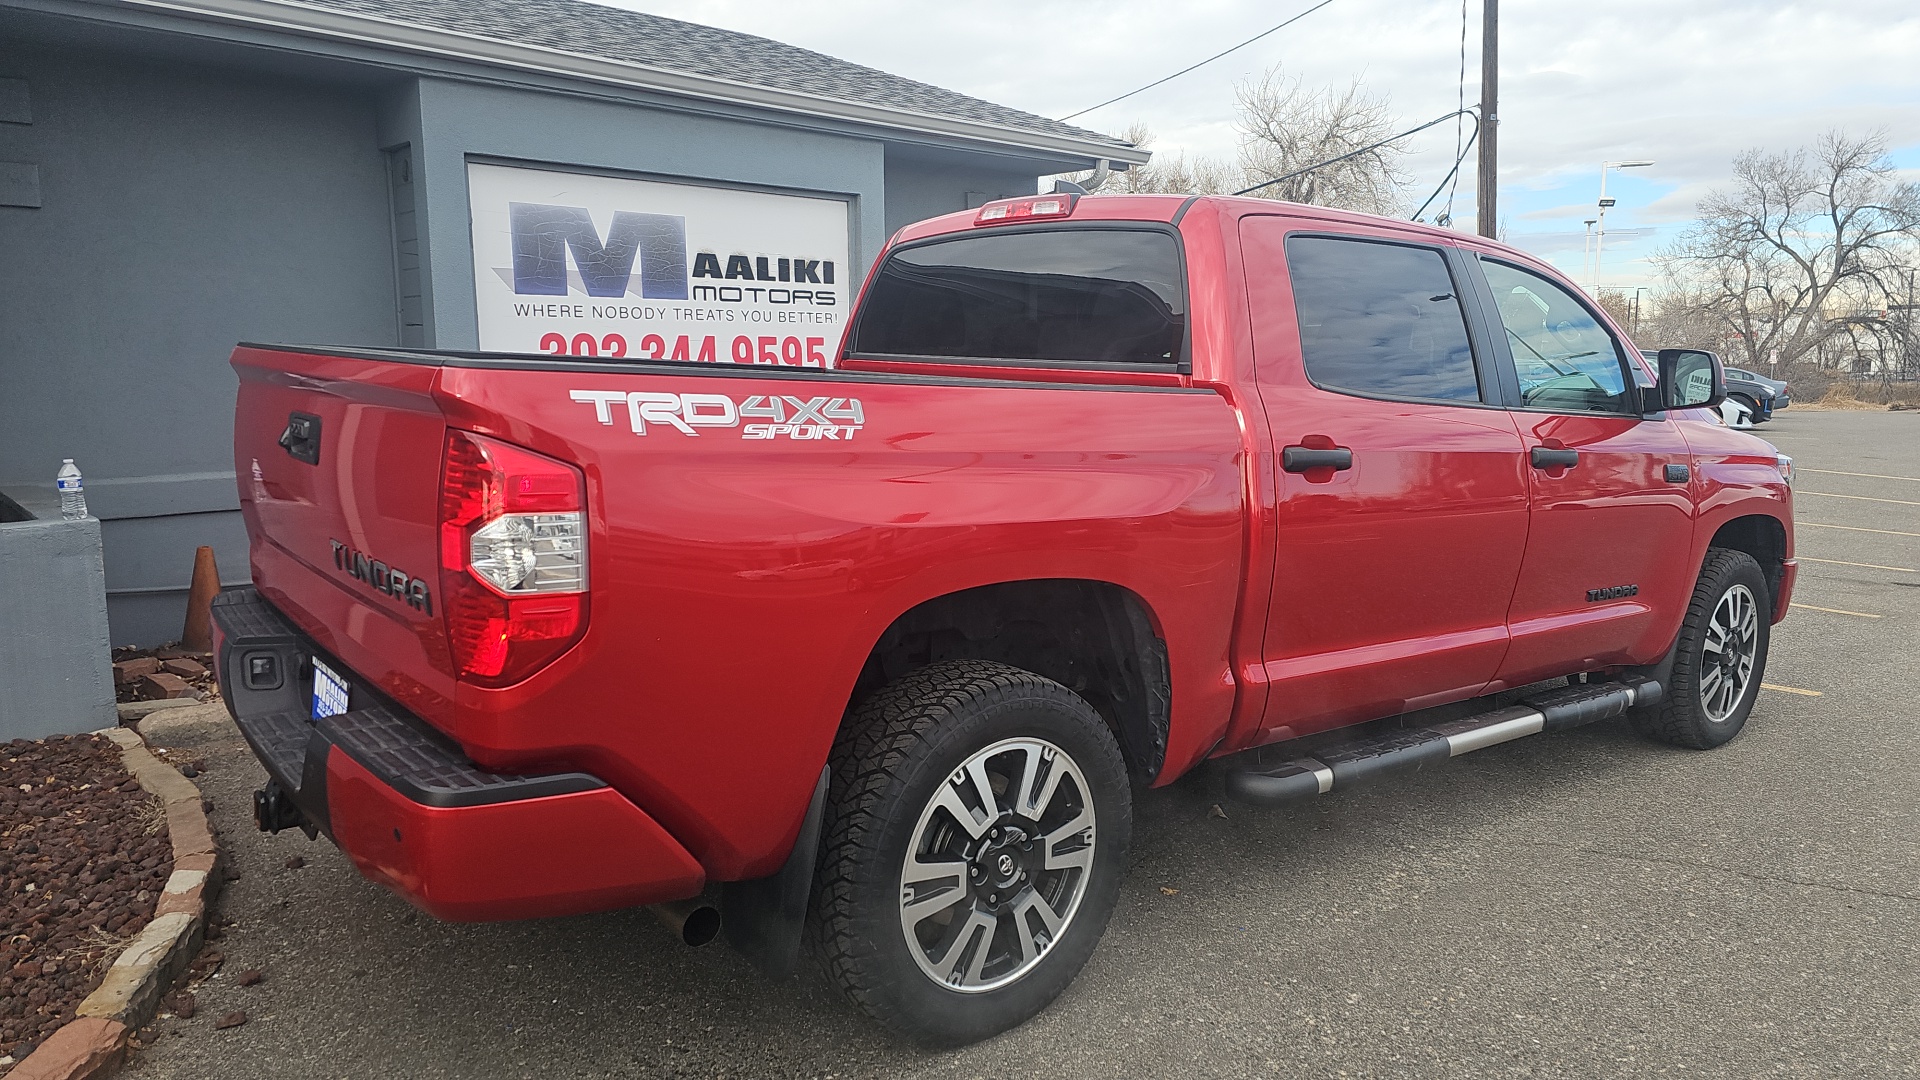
x,y
329,691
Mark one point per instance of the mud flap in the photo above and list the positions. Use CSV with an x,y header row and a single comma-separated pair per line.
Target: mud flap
x,y
765,918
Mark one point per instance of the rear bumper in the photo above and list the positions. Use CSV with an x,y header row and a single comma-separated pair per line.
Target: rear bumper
x,y
415,814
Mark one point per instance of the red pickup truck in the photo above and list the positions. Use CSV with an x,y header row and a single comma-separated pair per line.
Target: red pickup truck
x,y
1098,490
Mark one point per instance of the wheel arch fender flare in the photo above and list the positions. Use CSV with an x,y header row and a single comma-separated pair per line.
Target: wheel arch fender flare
x,y
1098,638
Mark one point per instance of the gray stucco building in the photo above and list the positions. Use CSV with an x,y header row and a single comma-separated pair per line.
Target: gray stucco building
x,y
179,176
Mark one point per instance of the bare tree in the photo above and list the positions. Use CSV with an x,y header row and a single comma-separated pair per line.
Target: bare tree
x,y
1679,317
1805,255
1284,128
1618,305
1164,175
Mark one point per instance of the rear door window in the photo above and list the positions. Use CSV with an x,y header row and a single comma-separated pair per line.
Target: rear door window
x,y
1092,296
1566,360
1382,320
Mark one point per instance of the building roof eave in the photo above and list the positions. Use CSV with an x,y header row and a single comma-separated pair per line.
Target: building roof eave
x,y
285,16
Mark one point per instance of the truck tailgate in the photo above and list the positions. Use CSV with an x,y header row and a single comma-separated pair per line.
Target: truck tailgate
x,y
339,465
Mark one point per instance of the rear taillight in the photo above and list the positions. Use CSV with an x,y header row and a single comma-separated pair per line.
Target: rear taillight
x,y
1027,209
513,557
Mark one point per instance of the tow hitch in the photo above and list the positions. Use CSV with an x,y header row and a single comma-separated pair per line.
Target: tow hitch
x,y
273,810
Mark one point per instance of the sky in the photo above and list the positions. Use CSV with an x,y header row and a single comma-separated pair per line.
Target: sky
x,y
1684,83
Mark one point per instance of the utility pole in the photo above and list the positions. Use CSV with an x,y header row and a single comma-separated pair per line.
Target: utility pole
x,y
1487,188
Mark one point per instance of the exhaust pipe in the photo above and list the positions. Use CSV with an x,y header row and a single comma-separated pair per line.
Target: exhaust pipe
x,y
693,921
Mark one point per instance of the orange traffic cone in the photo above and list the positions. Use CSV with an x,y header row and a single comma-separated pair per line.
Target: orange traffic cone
x,y
198,632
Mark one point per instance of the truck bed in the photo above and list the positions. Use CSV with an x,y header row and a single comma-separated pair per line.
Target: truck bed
x,y
752,532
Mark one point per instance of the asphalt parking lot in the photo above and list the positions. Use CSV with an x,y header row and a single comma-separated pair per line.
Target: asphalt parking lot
x,y
1584,904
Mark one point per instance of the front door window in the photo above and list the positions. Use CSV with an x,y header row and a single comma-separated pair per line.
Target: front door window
x,y
1567,361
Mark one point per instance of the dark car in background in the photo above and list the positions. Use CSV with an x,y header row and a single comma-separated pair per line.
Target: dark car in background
x,y
1737,376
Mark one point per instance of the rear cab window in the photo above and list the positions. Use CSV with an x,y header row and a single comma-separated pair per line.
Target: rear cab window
x,y
1381,319
1074,296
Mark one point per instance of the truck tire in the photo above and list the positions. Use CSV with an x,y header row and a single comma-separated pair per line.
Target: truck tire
x,y
1014,783
1719,659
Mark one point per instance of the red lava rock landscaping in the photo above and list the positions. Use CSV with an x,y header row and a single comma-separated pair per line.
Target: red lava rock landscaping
x,y
170,672
84,855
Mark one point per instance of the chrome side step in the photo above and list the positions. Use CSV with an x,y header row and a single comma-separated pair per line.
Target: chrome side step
x,y
1344,765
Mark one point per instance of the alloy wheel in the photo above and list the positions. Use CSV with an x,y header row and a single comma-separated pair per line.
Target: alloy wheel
x,y
1726,664
998,864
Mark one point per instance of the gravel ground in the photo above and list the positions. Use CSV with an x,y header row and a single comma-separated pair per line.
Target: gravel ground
x,y
1584,904
83,857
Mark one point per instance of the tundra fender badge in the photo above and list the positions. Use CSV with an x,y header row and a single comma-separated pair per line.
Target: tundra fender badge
x,y
1594,596
391,580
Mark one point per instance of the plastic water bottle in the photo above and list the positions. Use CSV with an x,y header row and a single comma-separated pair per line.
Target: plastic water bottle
x,y
73,502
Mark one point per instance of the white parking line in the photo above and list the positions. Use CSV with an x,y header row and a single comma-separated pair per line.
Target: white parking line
x,y
1868,475
1860,498
1866,565
1839,611
1851,528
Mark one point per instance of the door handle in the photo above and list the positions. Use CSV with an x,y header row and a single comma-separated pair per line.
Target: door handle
x,y
1299,459
1547,457
301,439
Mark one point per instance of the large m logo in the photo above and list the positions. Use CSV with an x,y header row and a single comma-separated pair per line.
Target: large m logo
x,y
542,236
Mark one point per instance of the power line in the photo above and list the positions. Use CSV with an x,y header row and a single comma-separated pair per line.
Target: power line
x,y
1452,174
1356,153
1458,150
1201,64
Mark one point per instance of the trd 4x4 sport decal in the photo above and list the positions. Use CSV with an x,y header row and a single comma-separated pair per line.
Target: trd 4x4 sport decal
x,y
773,416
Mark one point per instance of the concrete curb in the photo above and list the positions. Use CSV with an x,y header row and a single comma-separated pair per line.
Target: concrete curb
x,y
94,1043
129,711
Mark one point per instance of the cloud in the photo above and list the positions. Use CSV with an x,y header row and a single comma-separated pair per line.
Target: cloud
x,y
1688,85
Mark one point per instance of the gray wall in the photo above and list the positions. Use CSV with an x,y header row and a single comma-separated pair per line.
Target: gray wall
x,y
184,208
923,184
54,664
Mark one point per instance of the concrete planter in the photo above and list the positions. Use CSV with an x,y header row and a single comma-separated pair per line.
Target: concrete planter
x,y
56,671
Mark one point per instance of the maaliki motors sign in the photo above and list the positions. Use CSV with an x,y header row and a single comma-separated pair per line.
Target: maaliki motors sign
x,y
584,265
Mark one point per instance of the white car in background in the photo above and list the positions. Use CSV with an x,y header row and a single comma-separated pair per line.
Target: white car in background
x,y
1734,414
1728,413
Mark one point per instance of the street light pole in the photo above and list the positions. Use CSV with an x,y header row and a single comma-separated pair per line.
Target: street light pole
x,y
1586,252
1600,238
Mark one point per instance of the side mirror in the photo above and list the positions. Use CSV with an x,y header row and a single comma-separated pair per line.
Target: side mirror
x,y
1691,379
